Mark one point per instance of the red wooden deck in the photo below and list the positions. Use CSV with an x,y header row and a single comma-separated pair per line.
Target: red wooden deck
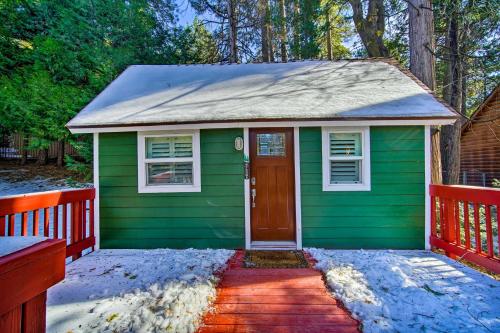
x,y
275,301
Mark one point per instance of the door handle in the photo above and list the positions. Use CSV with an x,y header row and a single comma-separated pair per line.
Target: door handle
x,y
254,194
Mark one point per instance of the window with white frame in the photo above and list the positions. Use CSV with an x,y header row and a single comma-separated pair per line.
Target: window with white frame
x,y
346,159
169,162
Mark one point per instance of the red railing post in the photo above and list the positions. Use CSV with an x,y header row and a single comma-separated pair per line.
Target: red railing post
x,y
449,233
2,225
46,220
91,215
489,231
433,216
55,211
12,220
24,224
477,228
466,225
498,229
65,222
36,222
75,223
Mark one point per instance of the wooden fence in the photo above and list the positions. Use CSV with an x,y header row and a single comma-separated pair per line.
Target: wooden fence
x,y
12,147
67,214
465,223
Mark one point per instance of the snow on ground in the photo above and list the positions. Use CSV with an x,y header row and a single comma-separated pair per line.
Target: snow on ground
x,y
37,184
9,245
411,291
135,291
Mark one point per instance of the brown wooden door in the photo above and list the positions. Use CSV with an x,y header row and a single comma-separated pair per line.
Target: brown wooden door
x,y
272,185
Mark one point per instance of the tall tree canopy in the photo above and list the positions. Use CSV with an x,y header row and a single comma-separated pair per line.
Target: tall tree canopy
x,y
55,56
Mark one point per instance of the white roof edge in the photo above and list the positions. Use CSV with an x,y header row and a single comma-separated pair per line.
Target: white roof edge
x,y
284,123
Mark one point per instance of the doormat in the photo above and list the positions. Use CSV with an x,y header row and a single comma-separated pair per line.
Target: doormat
x,y
275,259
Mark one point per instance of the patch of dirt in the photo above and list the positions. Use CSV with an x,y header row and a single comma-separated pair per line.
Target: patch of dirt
x,y
13,171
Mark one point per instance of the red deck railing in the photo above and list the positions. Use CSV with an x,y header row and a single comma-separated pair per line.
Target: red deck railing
x,y
67,214
465,223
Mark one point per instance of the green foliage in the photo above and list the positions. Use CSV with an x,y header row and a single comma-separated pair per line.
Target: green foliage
x,y
339,30
55,56
309,28
195,45
83,144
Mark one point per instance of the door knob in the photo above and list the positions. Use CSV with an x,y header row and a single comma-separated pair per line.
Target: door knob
x,y
254,194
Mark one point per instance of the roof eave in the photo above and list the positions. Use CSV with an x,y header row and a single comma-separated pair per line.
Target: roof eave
x,y
292,122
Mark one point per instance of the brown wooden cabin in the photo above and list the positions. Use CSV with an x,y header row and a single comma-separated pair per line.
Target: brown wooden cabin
x,y
480,144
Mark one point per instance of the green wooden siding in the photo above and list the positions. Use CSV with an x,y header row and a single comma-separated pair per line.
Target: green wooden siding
x,y
212,218
391,215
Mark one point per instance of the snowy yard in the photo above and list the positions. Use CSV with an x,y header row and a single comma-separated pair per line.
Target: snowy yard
x,y
135,291
37,184
411,291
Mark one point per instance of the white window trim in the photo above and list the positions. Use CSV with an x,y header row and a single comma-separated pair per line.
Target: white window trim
x,y
141,163
365,184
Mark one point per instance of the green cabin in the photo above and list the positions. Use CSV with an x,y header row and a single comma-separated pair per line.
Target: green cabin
x,y
263,156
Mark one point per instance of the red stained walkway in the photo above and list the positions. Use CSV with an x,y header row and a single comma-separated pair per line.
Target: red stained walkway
x,y
275,301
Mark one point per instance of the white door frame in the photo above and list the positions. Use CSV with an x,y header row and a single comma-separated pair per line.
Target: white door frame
x,y
298,211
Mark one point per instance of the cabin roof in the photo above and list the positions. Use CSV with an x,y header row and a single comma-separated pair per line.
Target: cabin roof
x,y
491,99
308,90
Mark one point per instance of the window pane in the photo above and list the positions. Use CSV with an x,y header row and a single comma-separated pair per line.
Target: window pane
x,y
271,144
345,172
345,144
167,147
170,173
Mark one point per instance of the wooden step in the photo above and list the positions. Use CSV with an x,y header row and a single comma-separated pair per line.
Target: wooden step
x,y
283,299
265,281
273,292
276,329
281,319
284,272
300,309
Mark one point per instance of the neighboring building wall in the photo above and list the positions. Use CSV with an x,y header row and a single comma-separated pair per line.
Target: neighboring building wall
x,y
391,215
480,145
212,218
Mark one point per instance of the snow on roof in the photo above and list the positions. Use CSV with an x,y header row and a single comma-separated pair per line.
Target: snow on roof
x,y
309,90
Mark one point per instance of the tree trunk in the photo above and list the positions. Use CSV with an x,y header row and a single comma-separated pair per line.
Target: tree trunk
x,y
43,157
233,31
283,37
422,65
450,134
296,31
24,150
328,35
421,39
60,153
436,168
372,27
263,30
271,40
